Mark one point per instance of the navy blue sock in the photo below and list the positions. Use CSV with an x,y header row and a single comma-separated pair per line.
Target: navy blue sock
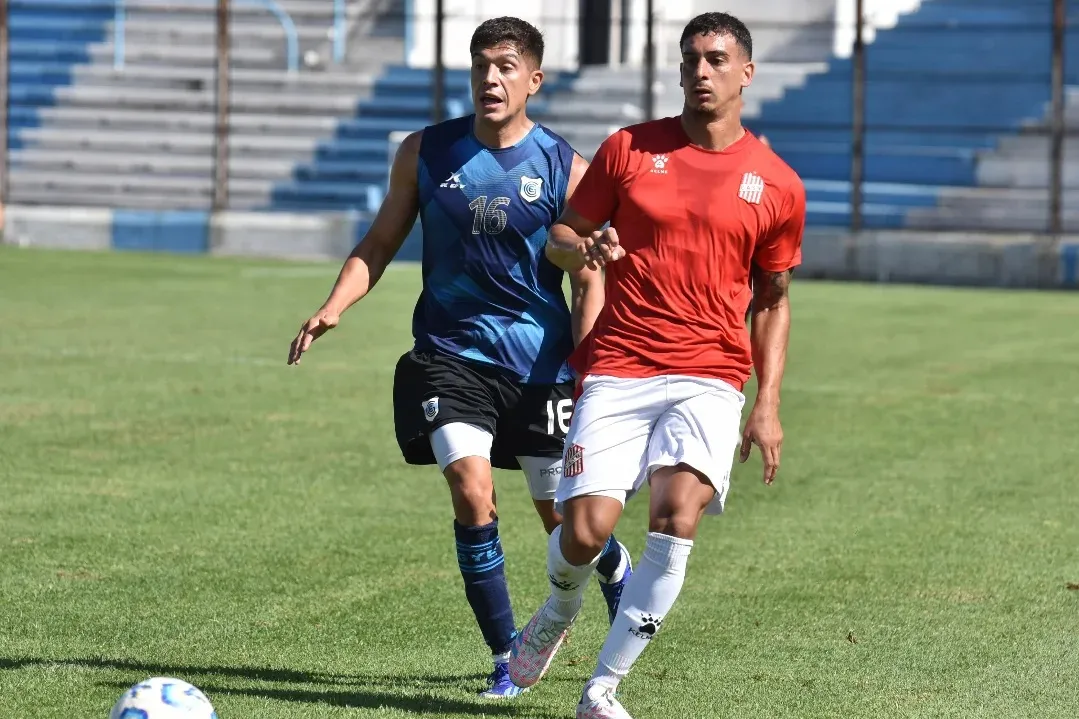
x,y
609,559
479,555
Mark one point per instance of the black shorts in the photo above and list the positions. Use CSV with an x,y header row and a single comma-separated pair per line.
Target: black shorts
x,y
431,389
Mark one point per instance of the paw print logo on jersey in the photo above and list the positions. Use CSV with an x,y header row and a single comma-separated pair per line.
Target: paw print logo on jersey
x,y
648,628
659,164
430,409
531,187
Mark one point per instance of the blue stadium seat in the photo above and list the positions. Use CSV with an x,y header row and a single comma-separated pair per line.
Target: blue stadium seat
x,y
48,37
935,96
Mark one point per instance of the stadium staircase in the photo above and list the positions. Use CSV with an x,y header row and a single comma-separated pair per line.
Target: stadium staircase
x,y
85,133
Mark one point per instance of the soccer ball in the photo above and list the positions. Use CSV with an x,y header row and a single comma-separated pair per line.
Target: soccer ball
x,y
163,698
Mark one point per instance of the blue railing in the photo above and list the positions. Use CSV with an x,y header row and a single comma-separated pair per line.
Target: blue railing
x,y
292,38
339,30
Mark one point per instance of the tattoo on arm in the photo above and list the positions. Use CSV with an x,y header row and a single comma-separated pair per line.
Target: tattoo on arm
x,y
769,288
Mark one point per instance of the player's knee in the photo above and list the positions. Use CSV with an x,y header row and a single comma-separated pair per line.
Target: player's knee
x,y
582,542
471,489
682,524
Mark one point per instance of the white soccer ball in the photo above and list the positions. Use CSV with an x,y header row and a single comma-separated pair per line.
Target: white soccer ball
x,y
163,698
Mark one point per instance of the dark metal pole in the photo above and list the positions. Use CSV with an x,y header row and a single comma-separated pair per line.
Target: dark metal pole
x,y
1056,157
5,102
439,96
857,163
221,108
650,61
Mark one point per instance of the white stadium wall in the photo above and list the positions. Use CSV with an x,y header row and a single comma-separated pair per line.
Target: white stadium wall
x,y
879,15
774,23
557,19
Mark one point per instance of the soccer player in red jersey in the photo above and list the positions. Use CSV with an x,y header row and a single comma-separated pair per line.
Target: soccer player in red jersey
x,y
700,211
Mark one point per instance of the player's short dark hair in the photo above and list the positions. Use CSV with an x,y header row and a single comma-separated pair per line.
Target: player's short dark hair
x,y
523,36
720,23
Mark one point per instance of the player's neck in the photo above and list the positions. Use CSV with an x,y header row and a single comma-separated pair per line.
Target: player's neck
x,y
713,131
502,135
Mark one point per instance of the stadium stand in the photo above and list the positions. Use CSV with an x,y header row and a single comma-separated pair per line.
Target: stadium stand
x,y
87,133
954,138
944,93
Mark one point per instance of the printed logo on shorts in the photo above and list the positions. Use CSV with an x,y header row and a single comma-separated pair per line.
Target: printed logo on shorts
x,y
752,188
430,409
574,464
531,188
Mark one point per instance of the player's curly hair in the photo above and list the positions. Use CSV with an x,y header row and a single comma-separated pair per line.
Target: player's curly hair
x,y
523,36
720,23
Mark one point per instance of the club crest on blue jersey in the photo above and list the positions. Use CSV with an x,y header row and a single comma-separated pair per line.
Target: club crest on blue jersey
x,y
531,187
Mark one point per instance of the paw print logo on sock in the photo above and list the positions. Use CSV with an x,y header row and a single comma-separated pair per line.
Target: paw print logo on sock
x,y
564,585
648,628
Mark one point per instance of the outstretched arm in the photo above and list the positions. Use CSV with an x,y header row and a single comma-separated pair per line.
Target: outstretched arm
x,y
369,259
769,333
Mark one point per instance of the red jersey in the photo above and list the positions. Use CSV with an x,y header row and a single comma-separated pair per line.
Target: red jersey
x,y
692,222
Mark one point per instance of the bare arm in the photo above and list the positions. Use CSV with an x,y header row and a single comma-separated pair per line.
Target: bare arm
x,y
369,259
395,218
768,337
586,285
770,330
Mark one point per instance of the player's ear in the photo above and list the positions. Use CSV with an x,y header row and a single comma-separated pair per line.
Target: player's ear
x,y
681,69
747,74
535,81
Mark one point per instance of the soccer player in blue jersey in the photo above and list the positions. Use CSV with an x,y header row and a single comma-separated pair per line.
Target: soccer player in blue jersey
x,y
487,383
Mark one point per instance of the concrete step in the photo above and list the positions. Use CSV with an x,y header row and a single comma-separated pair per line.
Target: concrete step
x,y
240,124
114,189
988,220
1029,172
250,80
259,31
242,101
142,163
1033,146
74,140
1003,200
185,56
35,194
316,12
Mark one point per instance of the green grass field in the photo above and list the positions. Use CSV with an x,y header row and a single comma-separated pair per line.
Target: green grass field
x,y
175,501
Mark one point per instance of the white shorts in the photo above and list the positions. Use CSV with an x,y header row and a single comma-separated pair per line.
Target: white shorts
x,y
625,429
458,440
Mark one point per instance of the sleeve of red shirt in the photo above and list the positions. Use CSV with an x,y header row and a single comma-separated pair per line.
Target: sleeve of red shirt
x,y
596,195
783,248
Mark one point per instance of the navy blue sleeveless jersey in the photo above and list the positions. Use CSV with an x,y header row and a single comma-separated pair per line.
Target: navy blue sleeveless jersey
x,y
489,293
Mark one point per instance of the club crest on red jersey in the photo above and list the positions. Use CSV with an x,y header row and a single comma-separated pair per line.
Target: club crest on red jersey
x,y
752,188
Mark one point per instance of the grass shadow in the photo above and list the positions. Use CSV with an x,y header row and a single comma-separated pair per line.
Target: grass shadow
x,y
416,694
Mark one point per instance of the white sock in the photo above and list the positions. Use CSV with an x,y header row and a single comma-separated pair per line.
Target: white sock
x,y
646,600
501,658
567,581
